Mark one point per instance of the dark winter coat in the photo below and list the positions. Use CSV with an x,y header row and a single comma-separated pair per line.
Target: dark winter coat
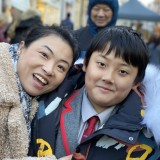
x,y
122,137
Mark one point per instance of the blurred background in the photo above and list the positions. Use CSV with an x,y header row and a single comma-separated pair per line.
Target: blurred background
x,y
54,11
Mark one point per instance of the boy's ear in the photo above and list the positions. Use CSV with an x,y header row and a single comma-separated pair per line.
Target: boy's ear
x,y
136,85
84,65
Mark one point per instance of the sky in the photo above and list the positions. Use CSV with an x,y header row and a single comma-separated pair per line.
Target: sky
x,y
146,2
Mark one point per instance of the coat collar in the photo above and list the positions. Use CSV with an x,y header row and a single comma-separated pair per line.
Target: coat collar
x,y
125,122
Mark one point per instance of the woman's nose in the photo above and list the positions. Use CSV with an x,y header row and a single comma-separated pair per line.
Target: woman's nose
x,y
48,68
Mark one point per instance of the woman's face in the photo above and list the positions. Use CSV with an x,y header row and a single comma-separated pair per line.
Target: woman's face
x,y
44,64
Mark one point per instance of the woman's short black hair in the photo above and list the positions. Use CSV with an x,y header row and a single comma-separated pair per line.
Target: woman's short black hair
x,y
127,44
44,31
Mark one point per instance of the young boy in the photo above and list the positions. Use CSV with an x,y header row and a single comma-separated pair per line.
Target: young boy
x,y
114,65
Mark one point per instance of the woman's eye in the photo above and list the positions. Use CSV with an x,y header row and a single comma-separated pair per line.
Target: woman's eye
x,y
44,54
100,64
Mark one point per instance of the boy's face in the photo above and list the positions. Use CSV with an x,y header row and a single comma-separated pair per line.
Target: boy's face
x,y
108,80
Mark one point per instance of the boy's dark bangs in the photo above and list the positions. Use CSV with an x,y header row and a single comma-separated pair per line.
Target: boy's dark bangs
x,y
120,52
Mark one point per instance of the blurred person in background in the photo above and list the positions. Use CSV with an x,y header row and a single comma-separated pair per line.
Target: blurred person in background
x,y
67,23
29,19
3,27
154,46
17,8
101,14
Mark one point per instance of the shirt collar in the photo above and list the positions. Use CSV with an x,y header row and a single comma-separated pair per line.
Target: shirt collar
x,y
88,112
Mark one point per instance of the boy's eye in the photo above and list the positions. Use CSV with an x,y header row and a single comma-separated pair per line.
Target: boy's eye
x,y
123,72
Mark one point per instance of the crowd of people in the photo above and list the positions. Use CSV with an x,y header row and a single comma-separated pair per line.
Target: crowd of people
x,y
23,19
86,94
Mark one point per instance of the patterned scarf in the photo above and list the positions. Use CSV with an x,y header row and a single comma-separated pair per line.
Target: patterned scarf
x,y
25,99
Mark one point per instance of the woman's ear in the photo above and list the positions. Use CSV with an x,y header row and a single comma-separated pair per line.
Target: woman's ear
x,y
84,65
21,45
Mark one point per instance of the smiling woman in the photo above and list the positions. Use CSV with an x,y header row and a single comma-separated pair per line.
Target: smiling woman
x,y
32,68
46,68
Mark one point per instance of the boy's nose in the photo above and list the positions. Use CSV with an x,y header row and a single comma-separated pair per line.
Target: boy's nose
x,y
108,76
